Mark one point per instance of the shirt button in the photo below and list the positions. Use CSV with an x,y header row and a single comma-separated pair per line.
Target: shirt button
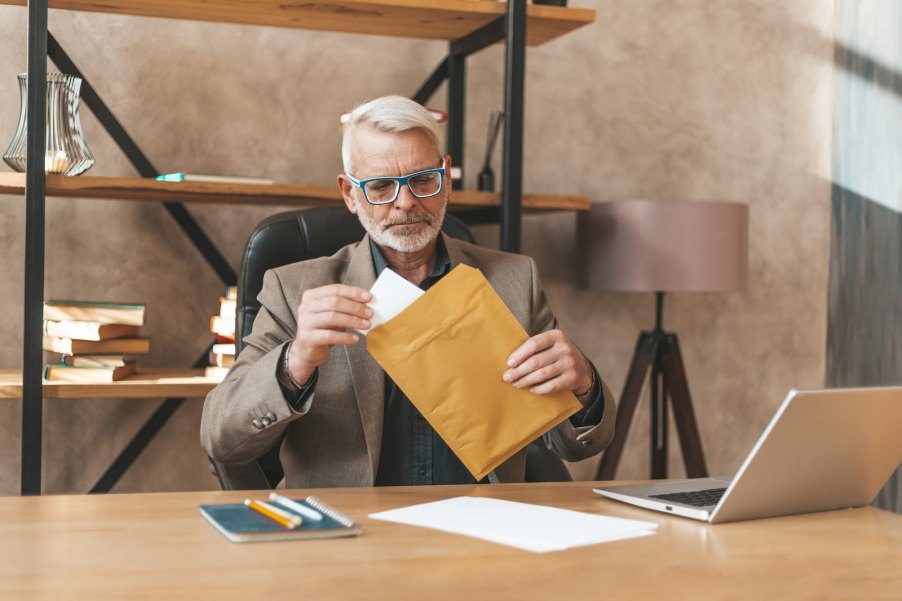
x,y
585,442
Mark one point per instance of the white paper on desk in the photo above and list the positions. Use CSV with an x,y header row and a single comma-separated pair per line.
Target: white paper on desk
x,y
391,295
530,527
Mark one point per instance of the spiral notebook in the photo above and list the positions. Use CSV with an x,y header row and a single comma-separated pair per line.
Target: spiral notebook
x,y
241,524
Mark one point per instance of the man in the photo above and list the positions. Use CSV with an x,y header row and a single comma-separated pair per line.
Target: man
x,y
305,374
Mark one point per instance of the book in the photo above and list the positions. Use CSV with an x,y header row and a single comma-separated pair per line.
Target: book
x,y
89,330
96,360
114,346
227,307
223,326
88,374
212,372
221,360
224,349
120,313
213,179
241,524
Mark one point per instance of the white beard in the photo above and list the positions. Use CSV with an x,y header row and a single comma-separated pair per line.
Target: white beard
x,y
403,238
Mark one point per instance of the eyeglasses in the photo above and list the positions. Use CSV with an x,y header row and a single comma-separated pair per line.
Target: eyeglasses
x,y
385,190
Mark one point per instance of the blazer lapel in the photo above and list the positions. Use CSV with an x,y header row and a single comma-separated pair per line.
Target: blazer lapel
x,y
366,375
454,254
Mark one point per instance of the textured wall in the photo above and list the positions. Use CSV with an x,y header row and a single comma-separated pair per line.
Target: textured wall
x,y
865,310
658,99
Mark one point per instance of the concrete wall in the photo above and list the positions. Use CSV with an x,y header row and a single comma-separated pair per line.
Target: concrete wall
x,y
658,99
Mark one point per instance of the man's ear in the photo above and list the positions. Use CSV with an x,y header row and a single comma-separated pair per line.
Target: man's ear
x,y
447,165
347,193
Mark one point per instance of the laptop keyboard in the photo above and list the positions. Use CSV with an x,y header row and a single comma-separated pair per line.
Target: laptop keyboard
x,y
696,498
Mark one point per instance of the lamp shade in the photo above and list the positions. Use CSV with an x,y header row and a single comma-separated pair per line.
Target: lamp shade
x,y
664,246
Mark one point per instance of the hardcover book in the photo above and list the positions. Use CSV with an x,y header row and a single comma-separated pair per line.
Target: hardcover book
x,y
89,330
121,313
241,524
87,375
97,360
223,326
115,346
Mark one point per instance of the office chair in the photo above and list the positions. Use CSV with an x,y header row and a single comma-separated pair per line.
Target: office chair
x,y
307,234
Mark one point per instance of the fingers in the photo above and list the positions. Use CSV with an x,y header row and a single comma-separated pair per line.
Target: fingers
x,y
546,363
335,307
338,298
537,343
323,317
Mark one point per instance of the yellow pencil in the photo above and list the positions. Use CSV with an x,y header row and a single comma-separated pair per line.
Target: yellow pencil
x,y
265,509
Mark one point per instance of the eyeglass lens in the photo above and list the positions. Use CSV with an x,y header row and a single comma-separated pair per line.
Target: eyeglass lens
x,y
386,190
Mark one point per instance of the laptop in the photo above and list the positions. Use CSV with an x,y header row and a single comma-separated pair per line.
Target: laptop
x,y
823,450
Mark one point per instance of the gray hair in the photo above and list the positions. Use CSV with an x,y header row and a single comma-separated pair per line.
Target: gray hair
x,y
389,114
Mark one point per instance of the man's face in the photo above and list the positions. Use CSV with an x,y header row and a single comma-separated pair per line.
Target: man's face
x,y
409,224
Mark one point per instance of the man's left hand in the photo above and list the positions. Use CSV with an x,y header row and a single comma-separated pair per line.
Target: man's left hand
x,y
547,363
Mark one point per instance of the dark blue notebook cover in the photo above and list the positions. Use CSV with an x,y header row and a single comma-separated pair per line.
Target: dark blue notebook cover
x,y
241,524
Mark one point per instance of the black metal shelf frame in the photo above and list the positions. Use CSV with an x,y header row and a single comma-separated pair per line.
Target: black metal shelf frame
x,y
510,28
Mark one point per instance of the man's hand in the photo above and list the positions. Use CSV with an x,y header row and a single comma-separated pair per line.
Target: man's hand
x,y
549,362
323,316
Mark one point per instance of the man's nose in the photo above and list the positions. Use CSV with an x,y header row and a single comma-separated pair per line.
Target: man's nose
x,y
406,200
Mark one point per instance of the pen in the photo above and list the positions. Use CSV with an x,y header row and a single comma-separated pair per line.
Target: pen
x,y
295,506
276,515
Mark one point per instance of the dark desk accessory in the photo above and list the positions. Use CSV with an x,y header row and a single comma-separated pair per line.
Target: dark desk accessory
x,y
486,181
551,2
67,152
662,246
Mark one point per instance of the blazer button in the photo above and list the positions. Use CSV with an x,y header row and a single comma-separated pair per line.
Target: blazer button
x,y
257,424
271,416
586,442
266,421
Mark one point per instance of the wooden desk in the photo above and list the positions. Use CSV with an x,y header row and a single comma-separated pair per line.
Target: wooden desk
x,y
157,546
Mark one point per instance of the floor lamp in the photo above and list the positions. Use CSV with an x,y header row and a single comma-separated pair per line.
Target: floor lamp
x,y
662,247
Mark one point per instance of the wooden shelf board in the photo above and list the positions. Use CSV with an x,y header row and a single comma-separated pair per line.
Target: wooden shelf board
x,y
430,19
144,189
147,383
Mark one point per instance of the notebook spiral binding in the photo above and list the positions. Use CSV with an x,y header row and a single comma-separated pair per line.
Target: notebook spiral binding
x,y
329,511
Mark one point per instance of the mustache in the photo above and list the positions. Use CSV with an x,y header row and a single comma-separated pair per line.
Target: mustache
x,y
407,219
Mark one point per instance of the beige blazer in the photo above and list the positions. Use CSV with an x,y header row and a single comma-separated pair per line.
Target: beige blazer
x,y
334,439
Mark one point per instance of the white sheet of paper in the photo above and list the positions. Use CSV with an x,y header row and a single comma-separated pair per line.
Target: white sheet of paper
x,y
530,527
391,295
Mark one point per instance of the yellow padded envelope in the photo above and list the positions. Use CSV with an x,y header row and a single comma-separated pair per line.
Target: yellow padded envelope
x,y
447,352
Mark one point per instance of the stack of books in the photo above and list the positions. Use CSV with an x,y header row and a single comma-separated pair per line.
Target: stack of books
x,y
97,340
222,355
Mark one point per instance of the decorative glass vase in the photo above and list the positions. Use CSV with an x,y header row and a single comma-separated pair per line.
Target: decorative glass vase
x,y
66,153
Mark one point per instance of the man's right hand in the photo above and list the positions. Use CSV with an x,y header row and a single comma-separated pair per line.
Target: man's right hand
x,y
323,316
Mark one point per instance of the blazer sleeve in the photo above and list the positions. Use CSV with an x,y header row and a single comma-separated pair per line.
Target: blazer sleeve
x,y
247,413
571,443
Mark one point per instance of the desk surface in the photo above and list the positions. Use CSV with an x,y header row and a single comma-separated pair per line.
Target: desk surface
x,y
158,546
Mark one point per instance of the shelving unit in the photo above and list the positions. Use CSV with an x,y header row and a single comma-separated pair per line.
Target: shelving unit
x,y
426,19
468,25
298,195
147,383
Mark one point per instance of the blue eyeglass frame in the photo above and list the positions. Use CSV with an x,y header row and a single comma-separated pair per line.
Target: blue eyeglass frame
x,y
403,180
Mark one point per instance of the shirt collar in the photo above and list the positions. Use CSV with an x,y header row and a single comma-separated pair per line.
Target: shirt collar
x,y
442,261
